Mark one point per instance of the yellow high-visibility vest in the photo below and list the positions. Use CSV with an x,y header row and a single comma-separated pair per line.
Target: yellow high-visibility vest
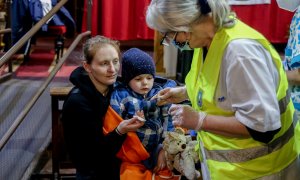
x,y
237,158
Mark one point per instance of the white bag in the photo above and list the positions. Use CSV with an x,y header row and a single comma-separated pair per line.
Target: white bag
x,y
47,6
290,5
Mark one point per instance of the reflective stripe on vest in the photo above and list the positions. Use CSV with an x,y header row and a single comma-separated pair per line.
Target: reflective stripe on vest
x,y
238,156
283,103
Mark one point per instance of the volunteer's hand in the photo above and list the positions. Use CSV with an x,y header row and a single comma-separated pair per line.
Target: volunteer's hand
x,y
131,124
161,161
185,116
171,95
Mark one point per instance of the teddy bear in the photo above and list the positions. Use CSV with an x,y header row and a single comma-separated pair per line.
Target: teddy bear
x,y
180,153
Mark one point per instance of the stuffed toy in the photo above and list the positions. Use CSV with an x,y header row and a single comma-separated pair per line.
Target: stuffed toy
x,y
173,144
180,153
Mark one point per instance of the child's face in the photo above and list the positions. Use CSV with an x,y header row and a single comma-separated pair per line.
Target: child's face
x,y
142,84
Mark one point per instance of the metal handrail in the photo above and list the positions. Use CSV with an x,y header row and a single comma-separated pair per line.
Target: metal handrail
x,y
10,68
30,104
3,31
6,57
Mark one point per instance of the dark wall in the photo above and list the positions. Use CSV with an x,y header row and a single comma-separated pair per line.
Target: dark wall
x,y
76,8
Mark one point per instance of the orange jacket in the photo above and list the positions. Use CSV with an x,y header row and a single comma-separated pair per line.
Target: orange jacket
x,y
131,153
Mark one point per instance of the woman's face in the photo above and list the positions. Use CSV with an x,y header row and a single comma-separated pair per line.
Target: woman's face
x,y
196,39
201,34
104,67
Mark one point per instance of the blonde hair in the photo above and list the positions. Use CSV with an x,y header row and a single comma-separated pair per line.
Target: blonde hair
x,y
93,44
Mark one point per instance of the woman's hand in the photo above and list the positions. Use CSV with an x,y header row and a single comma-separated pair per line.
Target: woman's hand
x,y
161,161
171,95
129,125
185,116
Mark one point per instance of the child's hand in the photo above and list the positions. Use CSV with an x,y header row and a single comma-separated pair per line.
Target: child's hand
x,y
161,161
140,115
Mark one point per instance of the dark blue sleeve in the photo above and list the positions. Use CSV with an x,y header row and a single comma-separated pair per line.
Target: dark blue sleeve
x,y
148,106
22,21
115,102
36,10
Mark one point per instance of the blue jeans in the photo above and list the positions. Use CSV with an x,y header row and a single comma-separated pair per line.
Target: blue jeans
x,y
85,176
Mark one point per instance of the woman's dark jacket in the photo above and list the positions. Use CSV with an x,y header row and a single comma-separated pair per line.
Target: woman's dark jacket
x,y
92,153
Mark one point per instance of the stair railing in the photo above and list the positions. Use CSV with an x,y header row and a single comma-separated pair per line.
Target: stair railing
x,y
7,56
43,87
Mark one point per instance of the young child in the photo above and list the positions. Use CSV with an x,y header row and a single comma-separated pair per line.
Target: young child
x,y
133,94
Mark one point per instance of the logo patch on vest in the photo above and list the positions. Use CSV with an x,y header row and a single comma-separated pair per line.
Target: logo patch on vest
x,y
199,98
221,99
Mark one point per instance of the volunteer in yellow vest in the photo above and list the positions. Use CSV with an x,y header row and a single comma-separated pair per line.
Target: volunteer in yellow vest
x,y
241,105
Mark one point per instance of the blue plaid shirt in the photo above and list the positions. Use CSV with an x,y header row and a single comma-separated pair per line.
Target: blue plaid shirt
x,y
126,102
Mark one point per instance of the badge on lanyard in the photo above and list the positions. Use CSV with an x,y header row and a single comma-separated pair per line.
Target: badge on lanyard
x,y
199,98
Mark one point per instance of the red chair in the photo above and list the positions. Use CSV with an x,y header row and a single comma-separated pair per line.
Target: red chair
x,y
53,31
59,31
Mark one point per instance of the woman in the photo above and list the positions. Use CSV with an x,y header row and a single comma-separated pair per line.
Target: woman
x,y
92,148
239,92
